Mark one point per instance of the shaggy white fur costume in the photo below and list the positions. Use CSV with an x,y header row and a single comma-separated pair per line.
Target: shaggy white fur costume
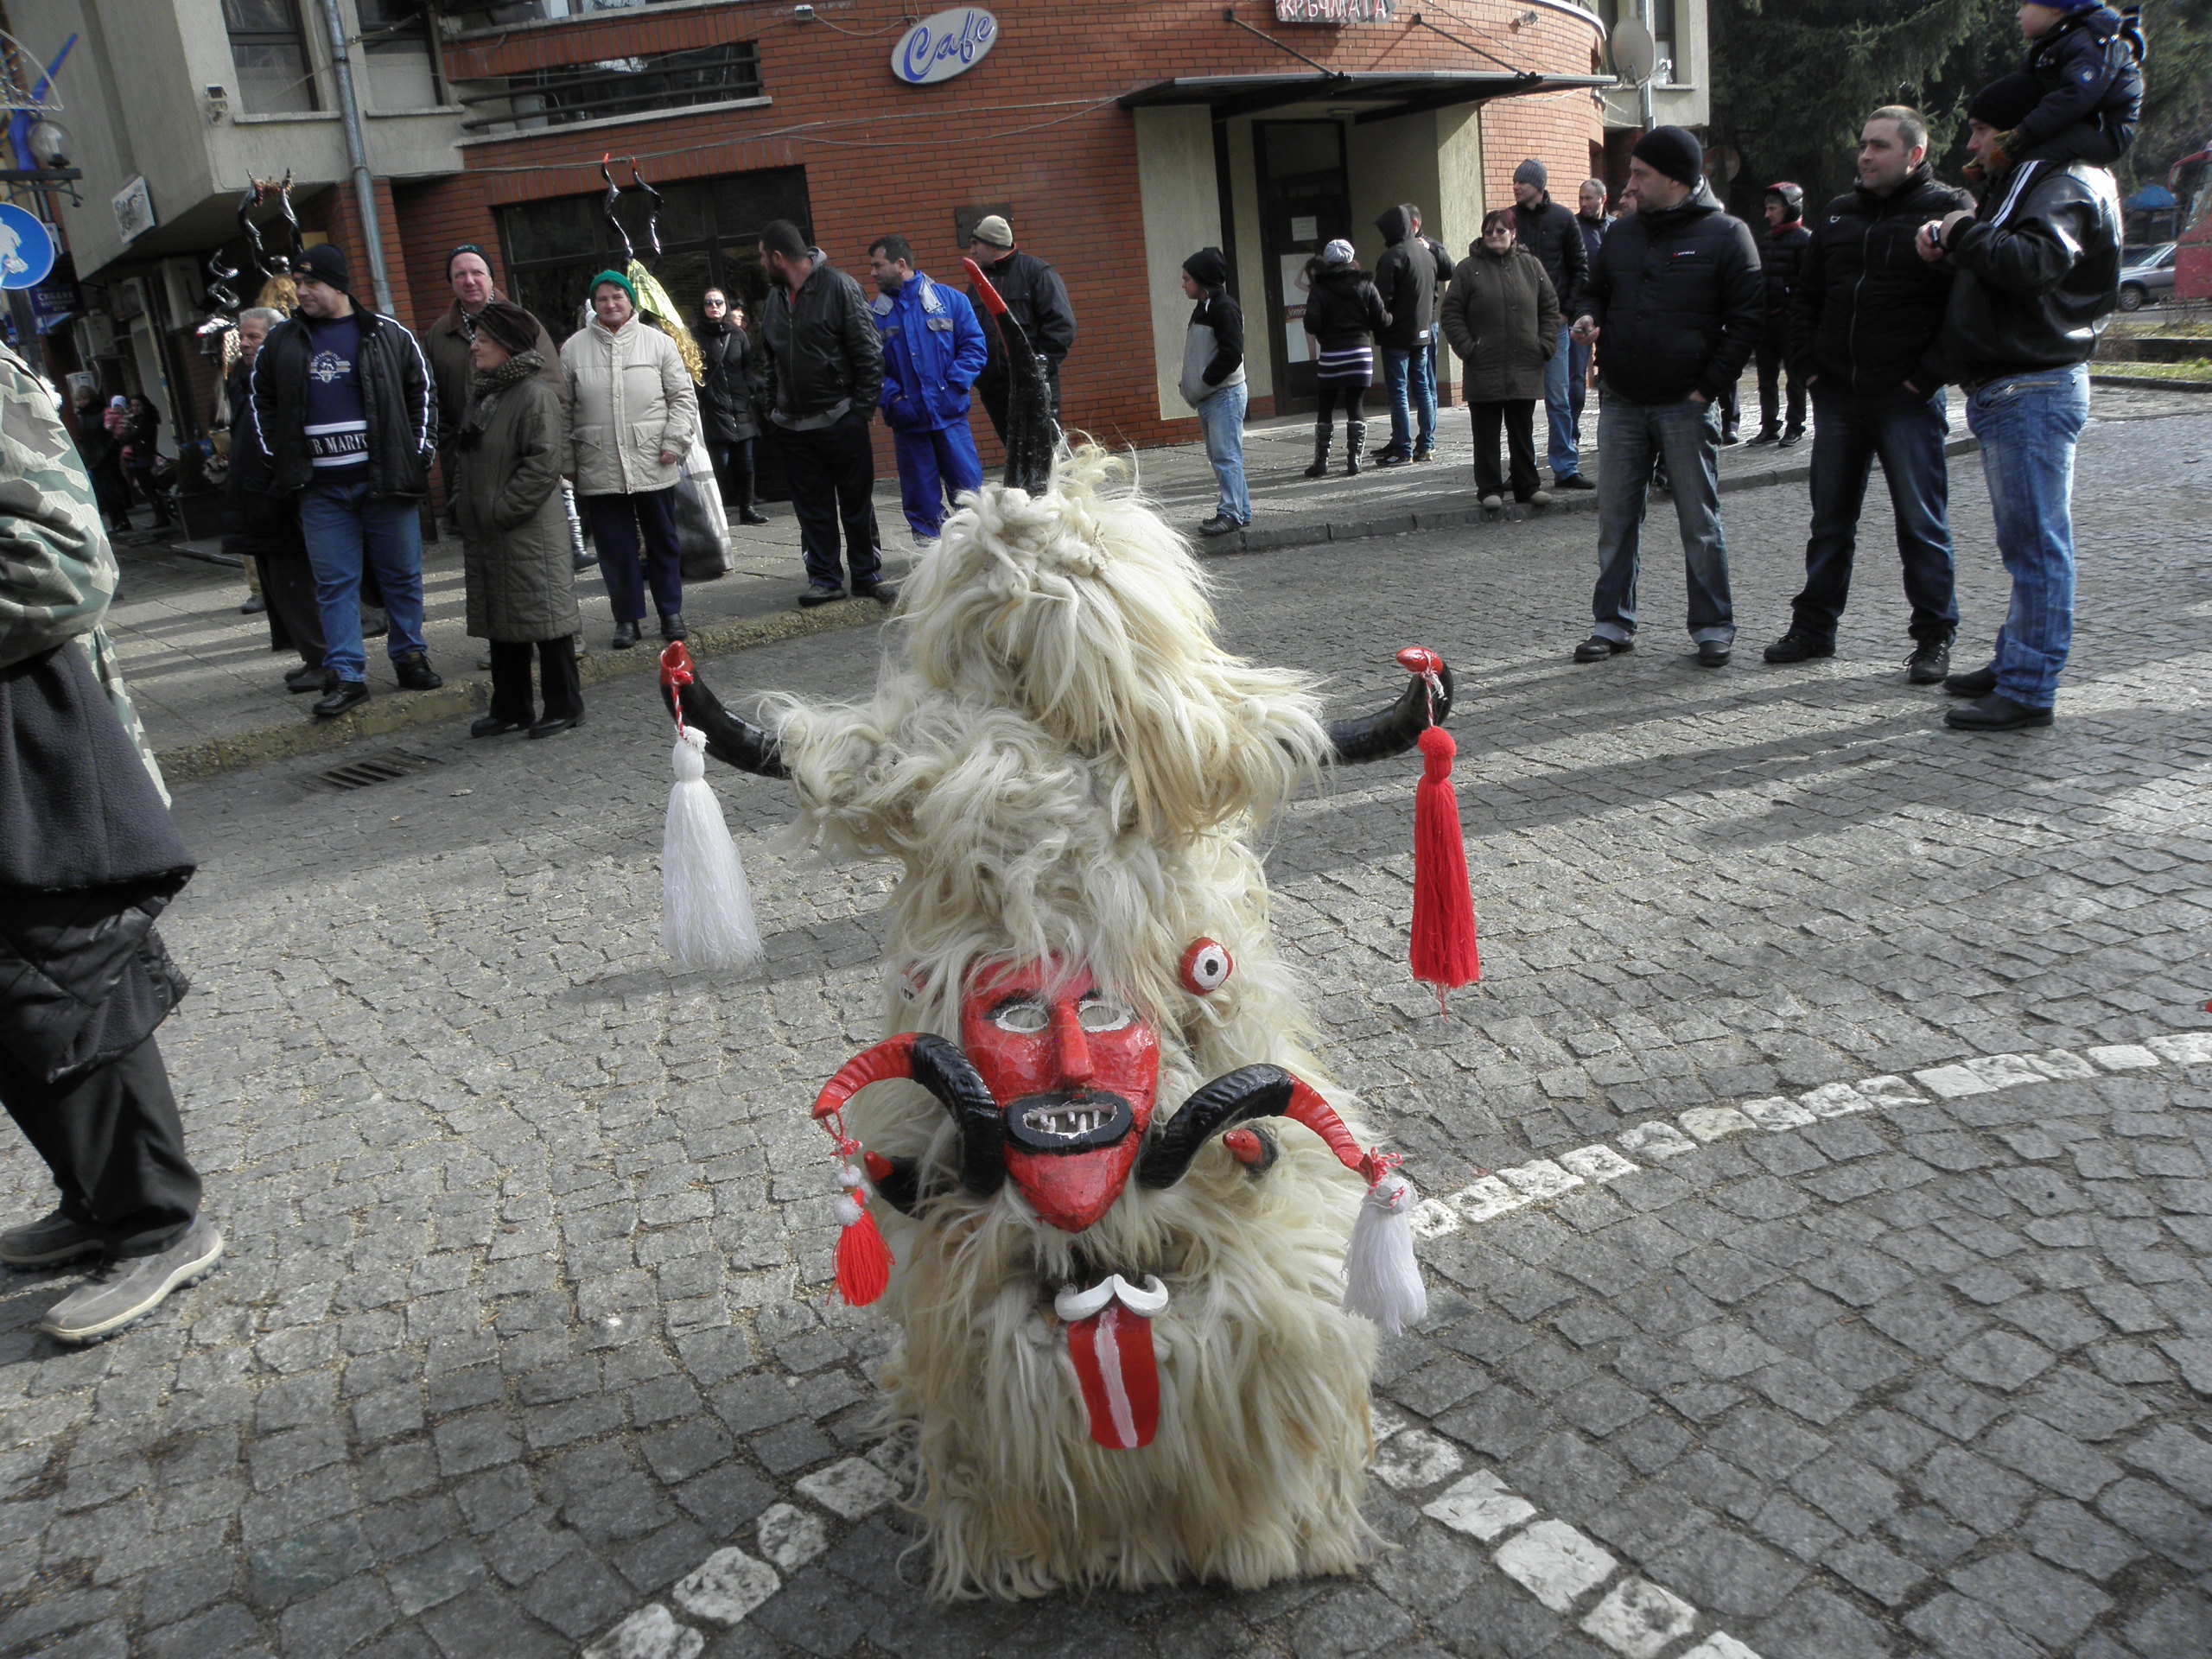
x,y
1070,768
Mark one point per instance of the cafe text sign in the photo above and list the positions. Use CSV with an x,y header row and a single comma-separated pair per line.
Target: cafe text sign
x,y
945,44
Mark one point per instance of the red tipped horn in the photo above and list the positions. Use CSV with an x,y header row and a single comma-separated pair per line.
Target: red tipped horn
x,y
991,302
893,1058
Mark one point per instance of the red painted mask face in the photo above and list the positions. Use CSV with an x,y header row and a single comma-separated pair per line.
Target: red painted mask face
x,y
1075,1071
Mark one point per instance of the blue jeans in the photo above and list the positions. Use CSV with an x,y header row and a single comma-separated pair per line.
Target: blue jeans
x,y
1578,384
1907,432
935,468
344,524
1559,407
1631,436
1221,417
2028,424
1412,380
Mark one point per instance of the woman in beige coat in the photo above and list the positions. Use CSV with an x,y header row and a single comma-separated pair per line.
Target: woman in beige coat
x,y
636,415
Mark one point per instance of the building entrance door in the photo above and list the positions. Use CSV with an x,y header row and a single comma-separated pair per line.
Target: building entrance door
x,y
1305,201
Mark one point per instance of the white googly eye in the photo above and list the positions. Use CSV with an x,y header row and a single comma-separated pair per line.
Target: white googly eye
x,y
1206,968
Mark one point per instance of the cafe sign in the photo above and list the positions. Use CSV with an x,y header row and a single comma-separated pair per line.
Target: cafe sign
x,y
943,45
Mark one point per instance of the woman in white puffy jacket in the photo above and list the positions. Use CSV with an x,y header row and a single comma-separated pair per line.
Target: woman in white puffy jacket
x,y
636,415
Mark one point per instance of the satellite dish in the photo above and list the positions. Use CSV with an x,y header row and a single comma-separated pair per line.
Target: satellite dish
x,y
1635,54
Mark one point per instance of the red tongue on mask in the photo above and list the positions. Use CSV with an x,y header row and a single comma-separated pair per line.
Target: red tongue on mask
x,y
1112,1351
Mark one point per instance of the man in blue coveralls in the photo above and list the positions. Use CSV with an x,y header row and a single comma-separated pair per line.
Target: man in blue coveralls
x,y
933,349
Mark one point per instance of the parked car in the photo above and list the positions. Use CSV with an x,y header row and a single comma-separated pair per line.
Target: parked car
x,y
2150,282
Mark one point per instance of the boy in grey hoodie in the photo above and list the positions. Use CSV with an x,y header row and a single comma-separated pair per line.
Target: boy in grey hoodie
x,y
1213,384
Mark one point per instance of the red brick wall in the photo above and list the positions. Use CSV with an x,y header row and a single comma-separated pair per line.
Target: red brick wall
x,y
882,157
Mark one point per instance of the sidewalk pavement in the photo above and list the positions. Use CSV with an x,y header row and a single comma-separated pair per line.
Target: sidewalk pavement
x,y
212,695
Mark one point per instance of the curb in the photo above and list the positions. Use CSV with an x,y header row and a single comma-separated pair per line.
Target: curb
x,y
388,712
2150,382
1455,515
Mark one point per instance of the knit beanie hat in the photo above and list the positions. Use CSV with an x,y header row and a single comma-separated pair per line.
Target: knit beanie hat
x,y
618,280
467,247
1531,172
1208,267
510,325
993,232
2004,103
324,263
1672,152
1339,252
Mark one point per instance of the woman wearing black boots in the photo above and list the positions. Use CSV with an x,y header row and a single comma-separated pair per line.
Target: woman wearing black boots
x,y
514,526
1343,313
726,417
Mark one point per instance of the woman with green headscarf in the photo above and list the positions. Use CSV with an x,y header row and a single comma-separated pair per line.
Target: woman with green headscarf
x,y
636,414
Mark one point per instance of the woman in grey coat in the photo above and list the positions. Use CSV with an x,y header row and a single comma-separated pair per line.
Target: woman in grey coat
x,y
1502,316
514,526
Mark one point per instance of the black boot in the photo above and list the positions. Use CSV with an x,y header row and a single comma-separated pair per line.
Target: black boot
x,y
1323,432
1355,436
671,627
625,635
746,513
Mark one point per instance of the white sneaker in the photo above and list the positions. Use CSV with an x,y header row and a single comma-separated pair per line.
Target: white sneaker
x,y
133,1286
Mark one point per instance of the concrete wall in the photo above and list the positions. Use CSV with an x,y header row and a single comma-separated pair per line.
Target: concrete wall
x,y
1182,213
133,88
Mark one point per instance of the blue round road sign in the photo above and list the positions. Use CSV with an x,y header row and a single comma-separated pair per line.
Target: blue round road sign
x,y
26,248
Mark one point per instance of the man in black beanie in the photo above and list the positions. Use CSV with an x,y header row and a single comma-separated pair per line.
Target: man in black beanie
x,y
1677,294
2038,273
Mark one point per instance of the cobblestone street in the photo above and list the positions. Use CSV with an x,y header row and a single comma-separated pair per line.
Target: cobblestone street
x,y
1818,1218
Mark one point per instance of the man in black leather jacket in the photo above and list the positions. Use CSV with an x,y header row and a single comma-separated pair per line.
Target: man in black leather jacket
x,y
821,377
2038,273
1864,317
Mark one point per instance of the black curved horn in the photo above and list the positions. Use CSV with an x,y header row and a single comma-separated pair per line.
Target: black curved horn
x,y
731,739
1032,435
1232,1098
1397,728
941,1068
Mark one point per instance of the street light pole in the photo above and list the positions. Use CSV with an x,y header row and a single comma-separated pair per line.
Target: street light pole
x,y
1644,93
364,189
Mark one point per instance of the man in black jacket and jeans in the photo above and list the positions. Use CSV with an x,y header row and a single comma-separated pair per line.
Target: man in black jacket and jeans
x,y
1405,278
1677,295
2038,275
821,368
1548,230
342,405
1864,317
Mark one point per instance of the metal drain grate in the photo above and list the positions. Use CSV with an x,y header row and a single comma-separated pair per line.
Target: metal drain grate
x,y
372,769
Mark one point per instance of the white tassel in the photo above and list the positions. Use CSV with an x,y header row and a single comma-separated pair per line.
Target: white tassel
x,y
706,918
1381,1279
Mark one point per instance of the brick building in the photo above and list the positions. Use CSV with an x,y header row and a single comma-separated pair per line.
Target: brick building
x,y
1117,140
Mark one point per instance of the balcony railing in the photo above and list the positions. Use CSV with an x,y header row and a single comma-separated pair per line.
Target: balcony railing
x,y
666,80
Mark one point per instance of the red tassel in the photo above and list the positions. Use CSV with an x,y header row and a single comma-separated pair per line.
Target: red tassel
x,y
1444,953
863,1261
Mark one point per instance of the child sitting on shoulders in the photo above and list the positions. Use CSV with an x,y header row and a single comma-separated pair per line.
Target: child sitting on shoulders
x,y
2088,58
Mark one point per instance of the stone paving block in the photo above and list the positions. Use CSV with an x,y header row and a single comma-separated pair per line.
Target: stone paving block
x,y
1725,1574
1777,1113
1554,1563
852,1488
1479,1504
1719,1645
2122,1057
648,1633
1639,1620
2034,1597
1596,1163
1714,1122
1882,1574
1486,1200
1410,1462
1655,1139
790,1536
1954,1082
725,1586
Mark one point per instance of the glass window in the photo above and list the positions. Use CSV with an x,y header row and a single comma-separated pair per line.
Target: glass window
x,y
710,237
396,44
270,52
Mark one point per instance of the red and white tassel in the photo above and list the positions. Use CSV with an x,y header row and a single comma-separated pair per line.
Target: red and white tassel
x,y
863,1259
1382,1279
1444,952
